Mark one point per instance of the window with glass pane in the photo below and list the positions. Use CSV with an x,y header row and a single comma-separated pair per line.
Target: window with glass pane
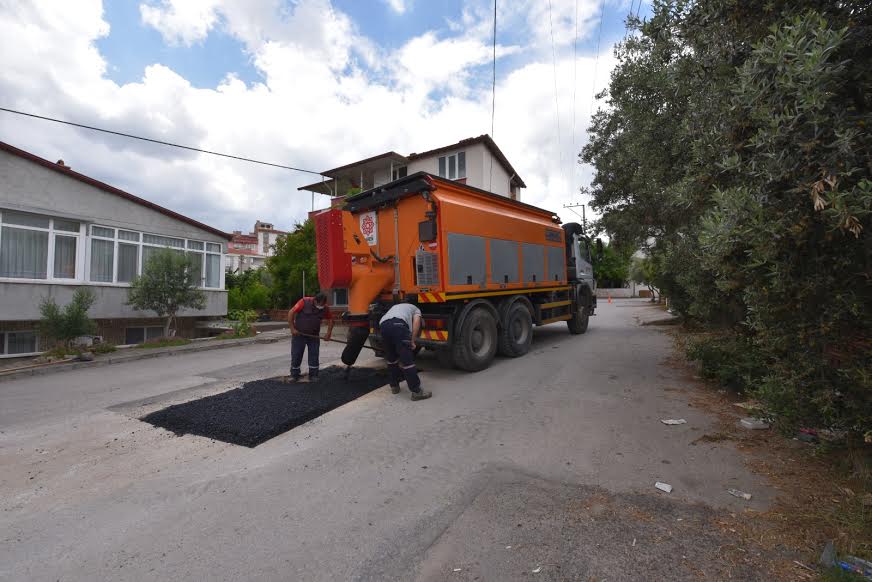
x,y
23,253
127,257
147,253
461,164
452,167
102,260
21,342
24,219
213,270
65,257
134,335
195,245
216,248
66,225
197,268
442,166
152,333
128,235
102,231
164,241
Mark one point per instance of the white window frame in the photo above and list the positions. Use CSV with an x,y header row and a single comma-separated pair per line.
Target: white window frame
x,y
83,252
141,244
52,234
447,159
144,329
395,172
4,343
335,302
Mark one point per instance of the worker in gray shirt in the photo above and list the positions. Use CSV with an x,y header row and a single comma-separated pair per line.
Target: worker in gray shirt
x,y
398,328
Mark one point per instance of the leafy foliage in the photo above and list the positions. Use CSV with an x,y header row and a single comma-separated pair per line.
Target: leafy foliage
x,y
67,323
611,269
295,255
737,147
643,271
167,285
248,290
241,321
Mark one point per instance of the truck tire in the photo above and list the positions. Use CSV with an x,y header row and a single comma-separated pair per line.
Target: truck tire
x,y
516,331
578,324
476,344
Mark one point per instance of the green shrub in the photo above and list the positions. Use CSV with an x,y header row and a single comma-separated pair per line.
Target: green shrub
x,y
241,321
67,323
731,360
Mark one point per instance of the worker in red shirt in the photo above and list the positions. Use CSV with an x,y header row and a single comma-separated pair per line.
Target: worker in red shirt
x,y
305,321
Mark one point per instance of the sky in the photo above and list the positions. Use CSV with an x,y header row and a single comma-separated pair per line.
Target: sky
x,y
313,84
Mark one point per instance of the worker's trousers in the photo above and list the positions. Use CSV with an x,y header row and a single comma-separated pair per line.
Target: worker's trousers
x,y
299,344
397,339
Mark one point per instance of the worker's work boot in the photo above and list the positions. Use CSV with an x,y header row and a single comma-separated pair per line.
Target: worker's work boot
x,y
421,395
395,389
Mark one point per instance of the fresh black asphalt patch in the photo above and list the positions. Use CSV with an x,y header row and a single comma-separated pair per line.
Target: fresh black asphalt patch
x,y
260,410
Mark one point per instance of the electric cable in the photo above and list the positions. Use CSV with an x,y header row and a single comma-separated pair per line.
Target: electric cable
x,y
159,142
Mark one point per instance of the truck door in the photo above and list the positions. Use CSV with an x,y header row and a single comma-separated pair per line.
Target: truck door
x,y
583,261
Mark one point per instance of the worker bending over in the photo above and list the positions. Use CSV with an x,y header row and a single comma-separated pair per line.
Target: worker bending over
x,y
399,327
305,321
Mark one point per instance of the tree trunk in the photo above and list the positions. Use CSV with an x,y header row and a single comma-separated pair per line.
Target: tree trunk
x,y
167,331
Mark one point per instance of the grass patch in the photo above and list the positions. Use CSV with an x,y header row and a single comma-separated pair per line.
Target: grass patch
x,y
164,342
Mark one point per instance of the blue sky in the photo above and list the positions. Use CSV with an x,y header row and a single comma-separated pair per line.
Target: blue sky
x,y
309,83
132,45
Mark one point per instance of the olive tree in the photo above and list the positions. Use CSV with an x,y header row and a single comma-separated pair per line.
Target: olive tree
x,y
167,285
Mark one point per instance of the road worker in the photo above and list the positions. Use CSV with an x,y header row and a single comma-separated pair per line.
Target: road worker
x,y
305,321
399,328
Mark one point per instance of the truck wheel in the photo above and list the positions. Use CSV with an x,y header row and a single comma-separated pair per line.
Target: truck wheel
x,y
516,333
476,344
578,324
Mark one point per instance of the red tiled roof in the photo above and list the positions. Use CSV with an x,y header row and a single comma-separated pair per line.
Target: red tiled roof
x,y
110,189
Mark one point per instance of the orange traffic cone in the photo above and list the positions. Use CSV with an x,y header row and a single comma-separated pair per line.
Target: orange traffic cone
x,y
610,297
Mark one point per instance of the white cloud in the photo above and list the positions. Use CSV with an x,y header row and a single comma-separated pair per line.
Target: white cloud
x,y
398,6
181,21
329,96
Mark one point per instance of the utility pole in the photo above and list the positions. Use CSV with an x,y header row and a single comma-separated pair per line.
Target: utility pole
x,y
304,282
583,214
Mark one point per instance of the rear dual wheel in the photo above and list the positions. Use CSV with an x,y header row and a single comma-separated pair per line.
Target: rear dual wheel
x,y
476,343
516,331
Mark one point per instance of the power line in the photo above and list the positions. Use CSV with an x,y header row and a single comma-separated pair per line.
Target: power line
x,y
596,57
556,100
157,141
494,81
574,87
493,96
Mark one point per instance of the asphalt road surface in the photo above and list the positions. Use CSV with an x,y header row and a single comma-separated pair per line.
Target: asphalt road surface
x,y
539,468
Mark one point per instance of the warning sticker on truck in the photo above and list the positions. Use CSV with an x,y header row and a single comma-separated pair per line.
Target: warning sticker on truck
x,y
369,227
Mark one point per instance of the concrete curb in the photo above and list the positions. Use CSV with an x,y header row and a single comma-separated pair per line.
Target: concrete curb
x,y
145,355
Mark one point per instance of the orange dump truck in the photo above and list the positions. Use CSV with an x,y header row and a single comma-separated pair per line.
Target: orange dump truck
x,y
482,268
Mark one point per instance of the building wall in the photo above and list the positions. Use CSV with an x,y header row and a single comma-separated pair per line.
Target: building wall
x,y
20,301
478,169
29,187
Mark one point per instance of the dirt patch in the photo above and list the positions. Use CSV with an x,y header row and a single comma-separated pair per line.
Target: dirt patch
x,y
532,529
712,438
258,411
818,499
